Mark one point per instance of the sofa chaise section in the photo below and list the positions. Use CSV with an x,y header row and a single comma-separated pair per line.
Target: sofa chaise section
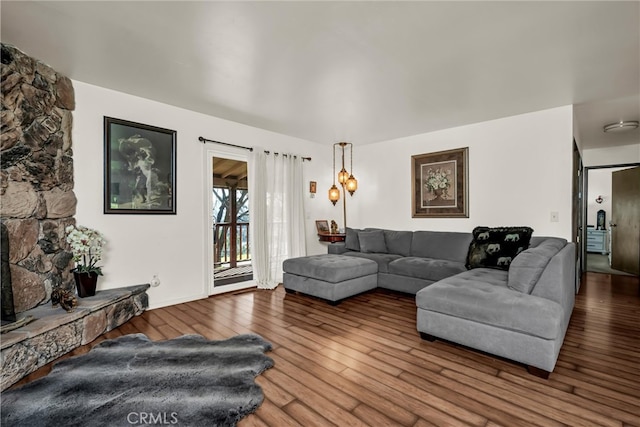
x,y
487,309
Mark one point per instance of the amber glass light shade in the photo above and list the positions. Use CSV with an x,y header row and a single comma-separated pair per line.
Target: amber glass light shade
x,y
343,176
352,184
334,194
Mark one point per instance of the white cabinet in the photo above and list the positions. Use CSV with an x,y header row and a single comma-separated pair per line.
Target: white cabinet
x,y
597,241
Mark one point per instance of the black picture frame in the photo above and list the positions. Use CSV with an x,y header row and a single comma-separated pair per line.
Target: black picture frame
x,y
139,168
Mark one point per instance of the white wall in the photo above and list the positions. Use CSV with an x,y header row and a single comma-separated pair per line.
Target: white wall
x,y
576,133
519,172
171,246
610,156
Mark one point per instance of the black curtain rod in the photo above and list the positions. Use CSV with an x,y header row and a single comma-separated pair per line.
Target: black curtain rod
x,y
204,140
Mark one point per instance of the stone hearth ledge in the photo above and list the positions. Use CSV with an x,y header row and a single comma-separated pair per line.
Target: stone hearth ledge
x,y
56,332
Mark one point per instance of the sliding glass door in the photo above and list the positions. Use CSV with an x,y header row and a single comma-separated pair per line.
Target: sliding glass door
x,y
229,267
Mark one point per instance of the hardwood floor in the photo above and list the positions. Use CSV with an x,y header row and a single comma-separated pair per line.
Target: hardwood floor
x,y
362,363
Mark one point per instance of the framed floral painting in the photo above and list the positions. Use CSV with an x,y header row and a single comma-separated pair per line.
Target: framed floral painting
x,y
440,184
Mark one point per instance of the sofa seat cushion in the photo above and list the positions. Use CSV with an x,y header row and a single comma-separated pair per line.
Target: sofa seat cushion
x,y
481,295
383,260
330,268
425,268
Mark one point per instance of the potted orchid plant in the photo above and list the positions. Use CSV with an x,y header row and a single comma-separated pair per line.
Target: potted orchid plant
x,y
86,246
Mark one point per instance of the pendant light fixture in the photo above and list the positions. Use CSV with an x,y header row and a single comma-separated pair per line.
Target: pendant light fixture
x,y
334,193
345,178
351,184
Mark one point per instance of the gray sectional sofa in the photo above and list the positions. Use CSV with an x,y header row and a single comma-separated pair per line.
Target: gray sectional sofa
x,y
498,290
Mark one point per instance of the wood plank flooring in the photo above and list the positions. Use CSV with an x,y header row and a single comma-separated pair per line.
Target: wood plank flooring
x,y
362,363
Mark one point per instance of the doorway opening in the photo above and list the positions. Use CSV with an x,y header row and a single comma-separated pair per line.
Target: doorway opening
x,y
612,215
230,213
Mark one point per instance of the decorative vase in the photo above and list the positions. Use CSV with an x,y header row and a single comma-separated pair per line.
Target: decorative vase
x,y
438,192
86,283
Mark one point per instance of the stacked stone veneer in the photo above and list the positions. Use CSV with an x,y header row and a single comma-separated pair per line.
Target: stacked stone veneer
x,y
56,332
36,177
37,203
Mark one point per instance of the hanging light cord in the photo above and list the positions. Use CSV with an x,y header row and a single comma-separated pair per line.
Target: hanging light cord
x,y
351,160
334,165
343,169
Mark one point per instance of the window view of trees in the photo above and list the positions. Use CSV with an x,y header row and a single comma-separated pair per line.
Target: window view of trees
x,y
231,235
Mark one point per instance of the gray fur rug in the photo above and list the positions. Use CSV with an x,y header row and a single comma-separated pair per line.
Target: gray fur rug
x,y
131,380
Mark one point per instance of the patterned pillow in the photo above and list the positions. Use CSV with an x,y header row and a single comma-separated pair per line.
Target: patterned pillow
x,y
497,247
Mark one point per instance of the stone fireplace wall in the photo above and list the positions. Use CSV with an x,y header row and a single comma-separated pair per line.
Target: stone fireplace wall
x,y
37,200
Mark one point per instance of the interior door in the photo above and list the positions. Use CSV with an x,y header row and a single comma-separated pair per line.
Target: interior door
x,y
625,220
577,208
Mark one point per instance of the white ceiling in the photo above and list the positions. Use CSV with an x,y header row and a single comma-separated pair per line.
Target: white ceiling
x,y
356,71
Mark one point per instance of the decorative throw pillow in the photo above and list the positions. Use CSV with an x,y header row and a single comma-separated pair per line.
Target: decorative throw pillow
x,y
351,241
497,247
372,241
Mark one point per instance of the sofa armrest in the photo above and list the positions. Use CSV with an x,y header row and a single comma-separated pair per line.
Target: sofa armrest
x,y
336,248
558,280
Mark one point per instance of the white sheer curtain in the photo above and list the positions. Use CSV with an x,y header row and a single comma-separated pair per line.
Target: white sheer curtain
x,y
276,214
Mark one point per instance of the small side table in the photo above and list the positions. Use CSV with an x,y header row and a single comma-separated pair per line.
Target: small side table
x,y
331,238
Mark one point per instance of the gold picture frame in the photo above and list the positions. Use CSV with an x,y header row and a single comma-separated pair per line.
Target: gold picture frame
x,y
322,226
440,184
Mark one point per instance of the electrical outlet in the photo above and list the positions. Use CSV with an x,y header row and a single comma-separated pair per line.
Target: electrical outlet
x,y
155,282
554,217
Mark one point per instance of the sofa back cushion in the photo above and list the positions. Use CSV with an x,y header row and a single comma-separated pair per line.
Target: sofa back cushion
x,y
351,241
527,267
449,245
372,241
497,247
398,242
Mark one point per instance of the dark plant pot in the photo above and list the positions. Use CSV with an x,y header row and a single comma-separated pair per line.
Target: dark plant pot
x,y
86,283
438,192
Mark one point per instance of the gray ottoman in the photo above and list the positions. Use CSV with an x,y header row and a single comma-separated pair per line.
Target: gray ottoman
x,y
328,276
